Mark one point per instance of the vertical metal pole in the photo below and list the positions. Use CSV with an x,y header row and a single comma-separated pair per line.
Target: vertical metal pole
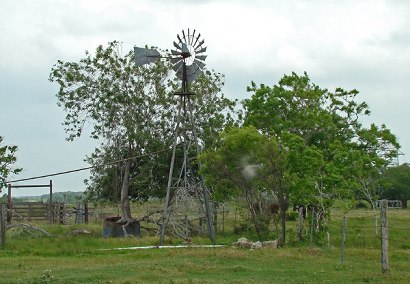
x,y
171,172
3,225
385,237
9,203
51,203
342,255
204,189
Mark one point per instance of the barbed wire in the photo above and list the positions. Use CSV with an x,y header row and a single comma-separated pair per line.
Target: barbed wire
x,y
360,217
396,240
400,229
85,168
400,220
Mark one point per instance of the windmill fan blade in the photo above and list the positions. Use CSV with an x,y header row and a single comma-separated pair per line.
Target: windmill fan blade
x,y
202,50
197,38
145,56
179,38
201,57
177,46
199,44
175,52
189,37
179,72
177,66
183,36
200,64
192,72
193,38
184,48
175,59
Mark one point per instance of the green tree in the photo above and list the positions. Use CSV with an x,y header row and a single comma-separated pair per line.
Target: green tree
x,y
331,138
231,166
7,161
245,163
124,104
132,110
398,187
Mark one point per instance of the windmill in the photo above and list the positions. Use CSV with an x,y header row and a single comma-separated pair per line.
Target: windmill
x,y
187,198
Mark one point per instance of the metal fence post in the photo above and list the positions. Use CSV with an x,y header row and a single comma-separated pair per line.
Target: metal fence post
x,y
385,236
51,215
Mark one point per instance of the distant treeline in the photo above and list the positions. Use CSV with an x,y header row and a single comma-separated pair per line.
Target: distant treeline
x,y
70,197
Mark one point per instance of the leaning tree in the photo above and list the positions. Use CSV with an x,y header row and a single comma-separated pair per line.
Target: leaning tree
x,y
131,110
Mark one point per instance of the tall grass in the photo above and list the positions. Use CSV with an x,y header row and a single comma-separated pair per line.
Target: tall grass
x,y
69,258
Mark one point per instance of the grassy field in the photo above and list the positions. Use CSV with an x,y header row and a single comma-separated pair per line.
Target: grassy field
x,y
69,258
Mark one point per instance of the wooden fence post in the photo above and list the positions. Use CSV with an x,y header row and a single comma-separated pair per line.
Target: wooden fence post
x,y
300,228
342,255
385,236
3,225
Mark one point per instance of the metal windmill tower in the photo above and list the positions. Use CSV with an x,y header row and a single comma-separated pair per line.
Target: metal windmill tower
x,y
187,198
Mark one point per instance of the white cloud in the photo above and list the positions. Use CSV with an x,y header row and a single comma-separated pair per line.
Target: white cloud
x,y
351,44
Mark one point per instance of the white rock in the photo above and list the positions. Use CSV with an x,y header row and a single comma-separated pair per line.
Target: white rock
x,y
256,245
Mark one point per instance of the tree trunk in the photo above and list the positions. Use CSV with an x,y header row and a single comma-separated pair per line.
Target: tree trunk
x,y
282,238
125,203
253,214
375,217
284,205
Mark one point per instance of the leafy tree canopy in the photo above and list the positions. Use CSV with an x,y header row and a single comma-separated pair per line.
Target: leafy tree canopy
x,y
398,187
7,161
331,153
132,111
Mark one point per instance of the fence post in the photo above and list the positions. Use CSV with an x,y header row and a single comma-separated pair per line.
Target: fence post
x,y
64,208
51,217
385,236
86,213
311,224
3,225
342,255
9,203
300,228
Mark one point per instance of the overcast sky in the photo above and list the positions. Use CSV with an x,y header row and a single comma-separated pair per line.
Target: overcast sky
x,y
363,45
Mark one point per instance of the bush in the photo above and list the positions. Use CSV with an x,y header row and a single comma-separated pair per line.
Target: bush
x,y
292,216
361,204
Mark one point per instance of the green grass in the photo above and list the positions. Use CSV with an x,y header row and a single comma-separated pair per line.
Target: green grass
x,y
67,258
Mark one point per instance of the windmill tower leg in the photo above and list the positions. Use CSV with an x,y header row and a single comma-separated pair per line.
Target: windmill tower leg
x,y
185,101
204,189
171,172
